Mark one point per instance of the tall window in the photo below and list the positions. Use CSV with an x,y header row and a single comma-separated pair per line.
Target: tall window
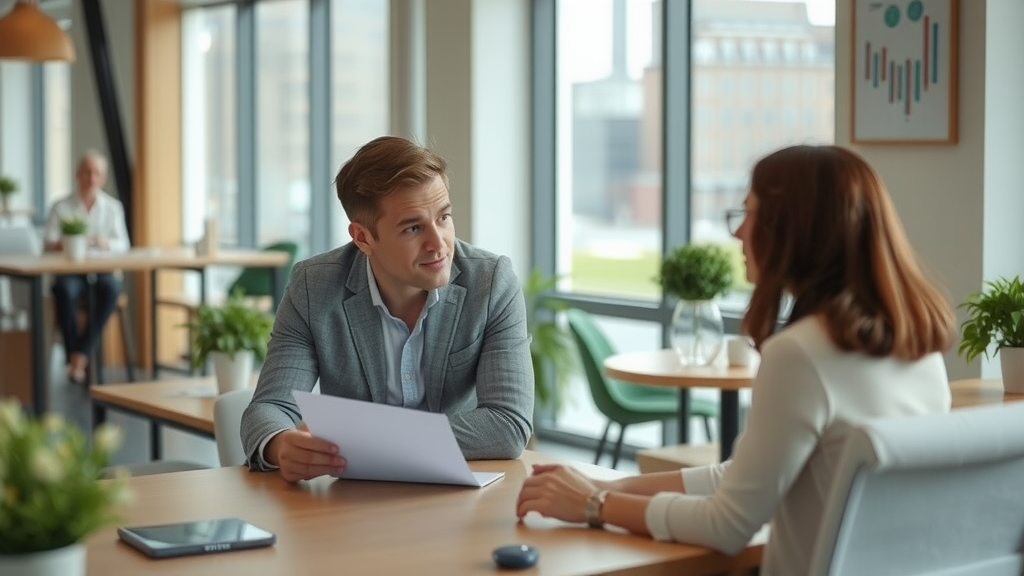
x,y
759,76
282,127
58,169
210,164
359,87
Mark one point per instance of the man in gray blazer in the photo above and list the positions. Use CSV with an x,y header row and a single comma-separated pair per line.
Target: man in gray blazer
x,y
405,314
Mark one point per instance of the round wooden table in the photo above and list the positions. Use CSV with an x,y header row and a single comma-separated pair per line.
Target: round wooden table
x,y
662,368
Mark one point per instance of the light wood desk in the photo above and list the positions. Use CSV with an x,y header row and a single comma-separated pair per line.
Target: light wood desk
x,y
662,368
184,404
367,528
979,392
32,269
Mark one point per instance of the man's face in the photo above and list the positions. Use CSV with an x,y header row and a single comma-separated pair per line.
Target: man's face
x,y
91,175
415,241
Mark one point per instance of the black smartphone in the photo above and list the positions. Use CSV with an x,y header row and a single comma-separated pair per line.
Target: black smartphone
x,y
196,537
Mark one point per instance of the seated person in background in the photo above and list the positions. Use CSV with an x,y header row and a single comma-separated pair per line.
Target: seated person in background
x,y
106,231
863,340
405,314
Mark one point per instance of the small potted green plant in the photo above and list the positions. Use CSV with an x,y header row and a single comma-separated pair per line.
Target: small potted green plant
x,y
552,348
233,336
52,493
996,317
8,186
696,274
73,228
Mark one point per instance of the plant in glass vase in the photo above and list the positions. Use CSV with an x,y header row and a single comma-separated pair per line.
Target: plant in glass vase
x,y
52,495
696,274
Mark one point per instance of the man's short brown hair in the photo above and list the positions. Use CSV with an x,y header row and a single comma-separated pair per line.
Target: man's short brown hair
x,y
379,168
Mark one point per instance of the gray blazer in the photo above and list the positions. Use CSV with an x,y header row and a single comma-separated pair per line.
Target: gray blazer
x,y
476,351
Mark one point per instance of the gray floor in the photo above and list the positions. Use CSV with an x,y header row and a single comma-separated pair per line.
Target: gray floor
x,y
73,402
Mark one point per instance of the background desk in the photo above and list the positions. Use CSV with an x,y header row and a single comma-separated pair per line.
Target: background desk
x,y
33,268
356,527
662,368
184,404
979,392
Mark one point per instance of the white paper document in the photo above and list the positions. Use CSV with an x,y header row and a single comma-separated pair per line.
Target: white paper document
x,y
382,442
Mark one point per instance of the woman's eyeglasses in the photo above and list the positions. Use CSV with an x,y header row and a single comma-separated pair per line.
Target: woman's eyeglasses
x,y
734,219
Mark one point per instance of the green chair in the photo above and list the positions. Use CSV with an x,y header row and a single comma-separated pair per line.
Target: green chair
x,y
621,402
256,282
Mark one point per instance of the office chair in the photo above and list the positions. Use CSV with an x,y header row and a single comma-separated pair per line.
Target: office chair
x,y
621,402
227,425
938,494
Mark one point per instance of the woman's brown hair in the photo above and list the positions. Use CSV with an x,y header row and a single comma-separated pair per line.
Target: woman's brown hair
x,y
826,232
379,168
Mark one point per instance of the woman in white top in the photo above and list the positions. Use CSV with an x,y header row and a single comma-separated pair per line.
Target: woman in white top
x,y
863,340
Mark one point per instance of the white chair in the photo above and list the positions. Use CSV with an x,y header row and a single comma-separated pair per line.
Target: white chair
x,y
227,424
938,494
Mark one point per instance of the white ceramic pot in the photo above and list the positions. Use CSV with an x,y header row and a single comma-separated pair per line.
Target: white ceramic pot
x,y
1011,360
233,373
66,561
75,247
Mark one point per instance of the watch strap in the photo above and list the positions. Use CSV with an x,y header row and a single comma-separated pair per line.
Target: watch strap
x,y
592,511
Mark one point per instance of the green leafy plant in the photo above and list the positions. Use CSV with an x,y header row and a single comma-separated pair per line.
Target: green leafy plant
x,y
552,348
8,186
73,225
52,495
229,328
994,316
696,272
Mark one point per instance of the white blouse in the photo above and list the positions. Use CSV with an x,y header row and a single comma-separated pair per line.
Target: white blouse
x,y
806,395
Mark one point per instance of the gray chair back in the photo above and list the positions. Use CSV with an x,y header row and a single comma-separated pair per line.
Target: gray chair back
x,y
937,494
227,423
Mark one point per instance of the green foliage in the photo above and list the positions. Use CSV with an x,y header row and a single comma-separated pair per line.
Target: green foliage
x,y
995,316
696,272
74,224
8,186
551,348
230,328
52,495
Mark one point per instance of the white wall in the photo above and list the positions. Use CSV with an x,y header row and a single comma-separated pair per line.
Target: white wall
x,y
960,203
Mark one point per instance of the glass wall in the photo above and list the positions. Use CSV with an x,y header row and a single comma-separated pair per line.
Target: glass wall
x,y
756,75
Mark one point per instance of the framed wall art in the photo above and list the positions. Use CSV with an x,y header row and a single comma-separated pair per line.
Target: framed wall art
x,y
904,74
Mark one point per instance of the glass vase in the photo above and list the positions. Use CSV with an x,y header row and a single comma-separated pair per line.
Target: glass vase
x,y
697,332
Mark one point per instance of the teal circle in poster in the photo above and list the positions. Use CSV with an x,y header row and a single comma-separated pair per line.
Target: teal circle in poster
x,y
915,10
892,16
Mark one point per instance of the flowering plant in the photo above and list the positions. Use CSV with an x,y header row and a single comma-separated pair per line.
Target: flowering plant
x,y
52,495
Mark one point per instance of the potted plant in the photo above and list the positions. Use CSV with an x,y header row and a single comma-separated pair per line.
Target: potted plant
x,y
696,274
73,229
8,186
552,348
52,494
233,335
996,316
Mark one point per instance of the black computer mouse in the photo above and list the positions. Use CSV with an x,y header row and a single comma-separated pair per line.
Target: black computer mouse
x,y
515,556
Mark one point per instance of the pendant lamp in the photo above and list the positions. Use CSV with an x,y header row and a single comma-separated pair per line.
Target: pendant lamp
x,y
28,34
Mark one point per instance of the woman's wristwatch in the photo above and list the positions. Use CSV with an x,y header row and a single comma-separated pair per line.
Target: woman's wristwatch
x,y
592,511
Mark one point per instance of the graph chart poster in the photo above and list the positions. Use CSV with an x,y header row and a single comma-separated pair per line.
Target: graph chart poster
x,y
904,73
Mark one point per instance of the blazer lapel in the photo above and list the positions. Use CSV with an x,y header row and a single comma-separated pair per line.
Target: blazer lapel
x,y
364,325
438,333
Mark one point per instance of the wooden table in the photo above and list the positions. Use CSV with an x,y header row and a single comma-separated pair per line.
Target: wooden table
x,y
662,368
184,404
367,528
32,269
979,392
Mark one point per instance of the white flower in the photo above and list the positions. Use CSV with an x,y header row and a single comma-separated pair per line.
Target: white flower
x,y
53,423
46,465
108,438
